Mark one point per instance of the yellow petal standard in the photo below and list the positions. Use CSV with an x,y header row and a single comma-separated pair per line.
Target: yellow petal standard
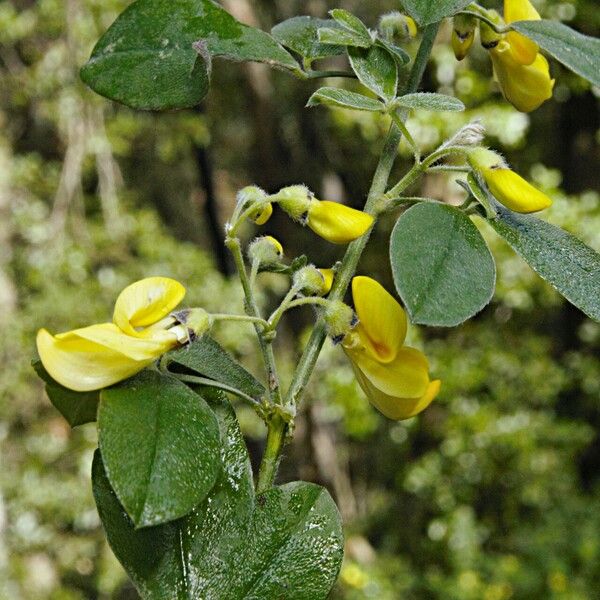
x,y
328,275
382,321
146,302
515,192
394,377
526,87
523,49
91,358
336,222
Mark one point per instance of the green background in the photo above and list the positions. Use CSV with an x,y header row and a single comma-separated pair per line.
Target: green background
x,y
493,493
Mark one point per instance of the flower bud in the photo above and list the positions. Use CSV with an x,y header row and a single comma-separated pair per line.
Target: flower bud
x,y
194,322
490,38
340,319
311,281
328,275
397,25
508,187
523,49
265,250
463,34
295,200
253,195
336,222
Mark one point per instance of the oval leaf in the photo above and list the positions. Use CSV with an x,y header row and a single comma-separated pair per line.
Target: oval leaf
x,y
300,35
149,58
432,11
578,52
376,69
442,267
344,99
342,37
351,23
207,358
570,266
430,101
78,408
285,543
160,445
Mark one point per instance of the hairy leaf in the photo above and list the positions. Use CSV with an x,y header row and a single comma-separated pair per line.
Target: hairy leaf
x,y
157,54
578,52
344,99
300,35
442,267
207,358
376,69
160,446
285,543
430,101
432,11
555,255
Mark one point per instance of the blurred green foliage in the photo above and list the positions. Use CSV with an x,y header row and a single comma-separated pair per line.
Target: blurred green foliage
x,y
493,493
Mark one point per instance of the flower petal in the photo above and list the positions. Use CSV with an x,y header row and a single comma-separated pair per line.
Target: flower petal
x,y
515,192
524,50
336,222
406,376
145,302
394,407
526,87
83,365
382,321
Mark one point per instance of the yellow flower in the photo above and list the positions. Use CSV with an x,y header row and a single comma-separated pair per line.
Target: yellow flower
x,y
328,275
336,222
97,356
394,377
506,186
523,49
526,87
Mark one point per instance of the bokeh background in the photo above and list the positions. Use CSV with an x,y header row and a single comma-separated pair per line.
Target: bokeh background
x,y
493,493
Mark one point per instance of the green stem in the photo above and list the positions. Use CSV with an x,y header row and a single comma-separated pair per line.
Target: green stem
x,y
278,312
277,429
252,309
217,384
243,318
407,136
271,457
355,249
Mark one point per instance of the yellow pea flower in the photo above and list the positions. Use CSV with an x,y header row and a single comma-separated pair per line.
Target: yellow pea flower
x,y
526,87
524,50
97,356
336,222
506,186
394,377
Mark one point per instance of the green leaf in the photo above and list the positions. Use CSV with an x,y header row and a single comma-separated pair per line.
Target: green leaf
x,y
430,101
285,543
376,69
160,444
342,37
351,23
401,56
300,35
150,57
442,267
207,358
555,255
344,99
77,408
432,11
481,194
578,52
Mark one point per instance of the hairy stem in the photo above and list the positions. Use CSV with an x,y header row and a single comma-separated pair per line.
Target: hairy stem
x,y
253,311
277,429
